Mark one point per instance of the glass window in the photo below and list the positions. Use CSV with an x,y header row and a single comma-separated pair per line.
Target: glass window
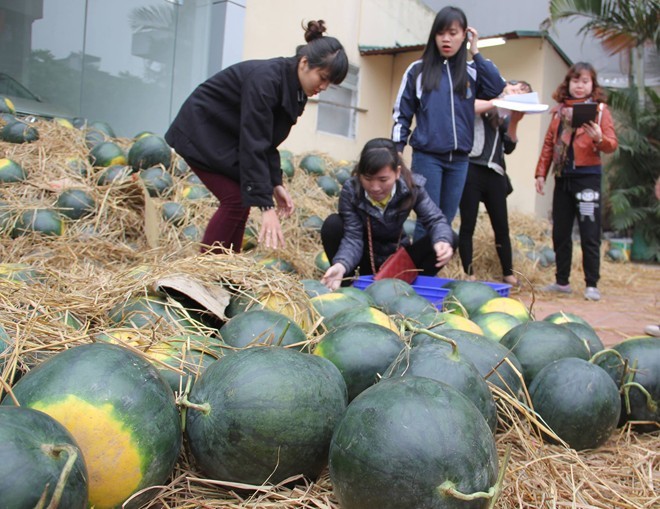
x,y
338,106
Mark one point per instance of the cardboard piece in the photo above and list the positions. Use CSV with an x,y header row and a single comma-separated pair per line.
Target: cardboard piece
x,y
137,196
212,297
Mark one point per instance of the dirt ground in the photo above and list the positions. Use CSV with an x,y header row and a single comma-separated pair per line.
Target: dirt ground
x,y
623,311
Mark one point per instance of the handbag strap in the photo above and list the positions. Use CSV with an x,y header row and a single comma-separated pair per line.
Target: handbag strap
x,y
371,244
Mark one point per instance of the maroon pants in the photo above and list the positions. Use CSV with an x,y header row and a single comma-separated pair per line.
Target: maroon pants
x,y
227,225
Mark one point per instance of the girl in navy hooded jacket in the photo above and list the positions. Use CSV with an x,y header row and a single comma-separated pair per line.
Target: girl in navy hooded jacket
x,y
439,91
229,129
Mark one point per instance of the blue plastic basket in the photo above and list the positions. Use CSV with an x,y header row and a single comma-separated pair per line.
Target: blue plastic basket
x,y
433,288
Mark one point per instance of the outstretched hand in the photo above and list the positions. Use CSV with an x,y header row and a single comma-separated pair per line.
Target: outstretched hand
x,y
283,201
333,276
443,253
271,231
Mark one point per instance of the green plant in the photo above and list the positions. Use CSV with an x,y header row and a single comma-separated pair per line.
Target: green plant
x,y
633,169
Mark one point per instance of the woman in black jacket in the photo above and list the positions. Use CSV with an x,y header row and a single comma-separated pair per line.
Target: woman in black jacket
x,y
229,128
383,192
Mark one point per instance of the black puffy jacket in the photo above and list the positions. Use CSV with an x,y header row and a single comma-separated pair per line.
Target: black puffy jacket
x,y
233,123
354,208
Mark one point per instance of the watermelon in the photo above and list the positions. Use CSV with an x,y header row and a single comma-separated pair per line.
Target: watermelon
x,y
107,153
406,442
76,203
102,127
117,173
356,293
361,313
94,137
588,336
387,289
262,415
537,344
436,361
6,106
564,317
180,167
329,304
313,223
439,322
408,306
328,184
157,181
192,233
261,326
467,296
314,287
361,351
119,410
21,272
77,166
505,305
173,212
496,324
495,362
636,369
149,151
4,347
321,261
39,458
150,311
342,174
275,263
11,171
286,164
195,192
19,132
312,164
578,401
43,221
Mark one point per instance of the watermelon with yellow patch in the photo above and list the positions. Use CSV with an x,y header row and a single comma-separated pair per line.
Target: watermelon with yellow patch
x,y
437,322
11,171
329,304
107,153
42,221
505,305
360,314
298,308
496,324
6,106
119,410
321,261
21,273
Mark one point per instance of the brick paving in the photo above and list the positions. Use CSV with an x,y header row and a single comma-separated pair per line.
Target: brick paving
x,y
624,310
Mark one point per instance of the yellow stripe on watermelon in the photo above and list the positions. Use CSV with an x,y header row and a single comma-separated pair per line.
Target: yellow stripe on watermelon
x,y
114,467
505,305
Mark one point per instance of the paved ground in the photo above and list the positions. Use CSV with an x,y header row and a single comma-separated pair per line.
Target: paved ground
x,y
626,307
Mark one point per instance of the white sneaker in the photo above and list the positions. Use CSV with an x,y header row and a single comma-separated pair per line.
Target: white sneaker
x,y
652,330
592,293
556,288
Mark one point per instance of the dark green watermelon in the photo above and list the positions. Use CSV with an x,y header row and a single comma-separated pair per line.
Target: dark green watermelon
x,y
361,352
35,450
11,171
405,442
265,414
148,151
578,401
261,326
19,132
468,296
157,181
43,221
76,203
107,153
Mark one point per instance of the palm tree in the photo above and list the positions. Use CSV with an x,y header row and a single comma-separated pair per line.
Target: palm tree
x,y
621,25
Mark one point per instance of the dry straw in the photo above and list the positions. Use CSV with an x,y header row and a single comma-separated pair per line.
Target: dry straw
x,y
104,260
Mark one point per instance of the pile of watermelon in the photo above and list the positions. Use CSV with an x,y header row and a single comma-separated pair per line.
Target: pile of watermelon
x,y
398,399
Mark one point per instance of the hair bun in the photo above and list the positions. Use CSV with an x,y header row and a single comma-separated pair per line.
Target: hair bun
x,y
314,30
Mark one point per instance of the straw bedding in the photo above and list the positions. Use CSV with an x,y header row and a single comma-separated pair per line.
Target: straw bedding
x,y
104,260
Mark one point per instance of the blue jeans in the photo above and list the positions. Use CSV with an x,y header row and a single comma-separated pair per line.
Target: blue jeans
x,y
445,180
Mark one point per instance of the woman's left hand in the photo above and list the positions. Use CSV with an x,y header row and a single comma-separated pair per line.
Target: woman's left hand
x,y
283,201
594,131
443,253
473,38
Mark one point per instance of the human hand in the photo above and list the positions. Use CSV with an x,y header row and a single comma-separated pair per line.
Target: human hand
x,y
271,231
283,201
516,116
473,37
333,276
443,253
594,131
540,185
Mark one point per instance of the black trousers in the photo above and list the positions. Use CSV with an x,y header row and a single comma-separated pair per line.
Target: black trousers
x,y
488,186
577,197
421,252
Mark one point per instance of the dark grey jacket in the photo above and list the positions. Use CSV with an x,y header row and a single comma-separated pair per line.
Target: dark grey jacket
x,y
354,208
233,123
